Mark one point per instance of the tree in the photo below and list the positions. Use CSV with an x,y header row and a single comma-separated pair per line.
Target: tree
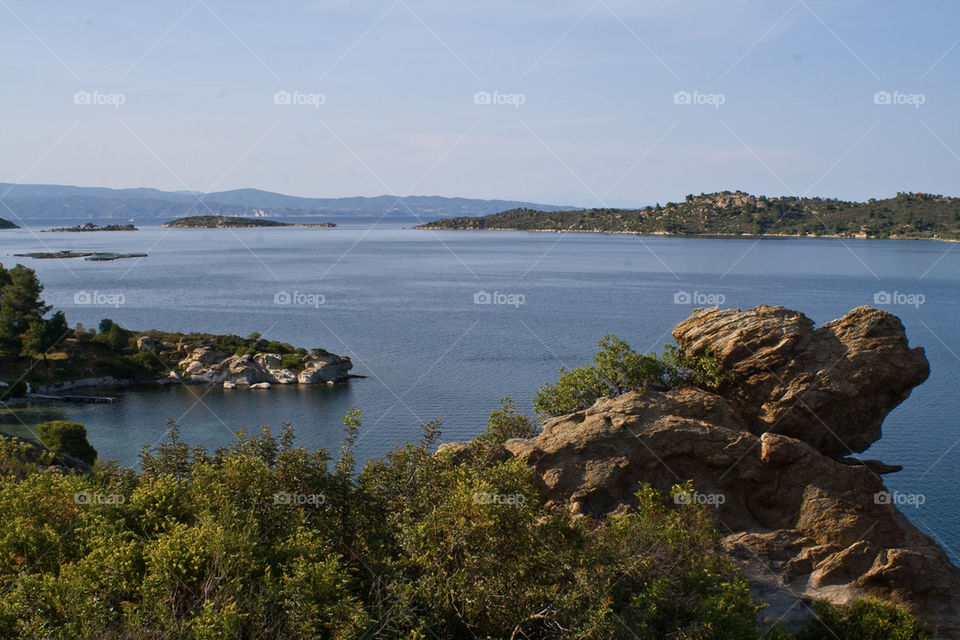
x,y
42,335
20,305
114,336
68,438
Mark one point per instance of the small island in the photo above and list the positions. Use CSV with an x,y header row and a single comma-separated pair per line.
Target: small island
x,y
234,222
89,226
739,214
6,224
90,256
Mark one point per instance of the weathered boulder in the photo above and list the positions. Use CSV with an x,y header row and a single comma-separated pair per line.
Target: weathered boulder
x,y
830,387
199,360
323,369
271,364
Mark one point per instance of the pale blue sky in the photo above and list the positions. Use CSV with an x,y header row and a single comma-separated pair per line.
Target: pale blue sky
x,y
598,123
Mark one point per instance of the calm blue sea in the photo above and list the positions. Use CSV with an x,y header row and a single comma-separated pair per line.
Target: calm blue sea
x,y
401,304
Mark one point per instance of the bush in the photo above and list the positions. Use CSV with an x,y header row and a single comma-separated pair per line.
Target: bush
x,y
292,361
505,423
415,545
67,438
866,619
617,369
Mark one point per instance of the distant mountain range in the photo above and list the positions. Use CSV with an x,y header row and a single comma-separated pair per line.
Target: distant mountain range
x,y
39,202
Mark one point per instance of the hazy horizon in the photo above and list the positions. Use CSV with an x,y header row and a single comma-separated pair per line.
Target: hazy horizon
x,y
637,205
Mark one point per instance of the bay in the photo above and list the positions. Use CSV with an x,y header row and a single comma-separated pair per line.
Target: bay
x,y
401,304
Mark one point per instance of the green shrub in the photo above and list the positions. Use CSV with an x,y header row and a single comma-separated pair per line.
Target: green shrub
x,y
505,423
278,347
292,361
865,619
617,369
68,438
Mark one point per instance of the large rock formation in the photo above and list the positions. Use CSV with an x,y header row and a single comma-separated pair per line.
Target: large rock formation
x,y
830,387
801,523
205,364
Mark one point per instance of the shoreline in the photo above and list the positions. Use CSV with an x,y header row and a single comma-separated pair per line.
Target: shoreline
x,y
701,236
48,392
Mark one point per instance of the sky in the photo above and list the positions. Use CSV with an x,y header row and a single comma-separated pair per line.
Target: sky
x,y
586,103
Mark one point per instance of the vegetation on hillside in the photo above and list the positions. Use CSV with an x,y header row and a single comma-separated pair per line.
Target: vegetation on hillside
x,y
266,540
218,222
908,215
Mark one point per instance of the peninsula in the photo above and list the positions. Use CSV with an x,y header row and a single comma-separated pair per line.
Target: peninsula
x,y
907,215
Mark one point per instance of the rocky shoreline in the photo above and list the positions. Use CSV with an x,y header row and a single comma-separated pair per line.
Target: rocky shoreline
x,y
202,359
771,456
258,371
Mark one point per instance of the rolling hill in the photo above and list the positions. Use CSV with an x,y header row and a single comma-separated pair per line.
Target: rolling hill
x,y
47,202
